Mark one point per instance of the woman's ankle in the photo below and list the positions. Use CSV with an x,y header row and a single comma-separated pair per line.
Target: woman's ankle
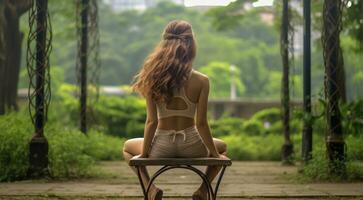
x,y
203,187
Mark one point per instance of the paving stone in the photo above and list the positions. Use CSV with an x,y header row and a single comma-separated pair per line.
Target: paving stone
x,y
243,180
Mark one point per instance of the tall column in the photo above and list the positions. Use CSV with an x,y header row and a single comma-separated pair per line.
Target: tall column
x,y
307,138
84,64
332,53
38,147
287,148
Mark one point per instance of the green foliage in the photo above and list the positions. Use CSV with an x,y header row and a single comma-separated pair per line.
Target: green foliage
x,y
354,147
318,168
353,67
226,126
267,121
220,78
253,47
121,116
352,20
71,153
248,42
228,16
15,135
254,127
104,147
67,153
254,147
271,115
352,114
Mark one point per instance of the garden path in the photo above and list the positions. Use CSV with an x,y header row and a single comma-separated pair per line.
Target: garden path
x,y
243,180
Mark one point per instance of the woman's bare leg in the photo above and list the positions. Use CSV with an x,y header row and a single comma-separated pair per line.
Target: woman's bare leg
x,y
133,147
212,171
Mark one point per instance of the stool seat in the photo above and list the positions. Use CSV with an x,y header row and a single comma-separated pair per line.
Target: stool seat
x,y
136,161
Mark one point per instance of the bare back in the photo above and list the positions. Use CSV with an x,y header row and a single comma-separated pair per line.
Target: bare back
x,y
192,90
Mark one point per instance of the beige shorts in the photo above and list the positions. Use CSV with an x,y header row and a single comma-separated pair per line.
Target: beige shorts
x,y
185,143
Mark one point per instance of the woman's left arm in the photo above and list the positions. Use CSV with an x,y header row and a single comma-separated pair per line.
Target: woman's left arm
x,y
150,126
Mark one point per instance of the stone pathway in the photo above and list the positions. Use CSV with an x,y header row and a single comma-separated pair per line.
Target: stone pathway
x,y
243,180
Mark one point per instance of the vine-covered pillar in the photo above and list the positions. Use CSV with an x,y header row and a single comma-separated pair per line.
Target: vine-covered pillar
x,y
39,87
287,148
88,63
307,137
332,13
83,58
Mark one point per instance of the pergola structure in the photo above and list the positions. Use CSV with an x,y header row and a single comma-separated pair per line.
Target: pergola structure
x,y
307,136
38,63
38,51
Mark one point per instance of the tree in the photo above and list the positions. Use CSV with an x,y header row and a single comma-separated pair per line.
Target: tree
x,y
10,51
352,22
220,77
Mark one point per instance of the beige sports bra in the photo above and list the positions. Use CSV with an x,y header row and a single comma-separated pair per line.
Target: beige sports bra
x,y
189,111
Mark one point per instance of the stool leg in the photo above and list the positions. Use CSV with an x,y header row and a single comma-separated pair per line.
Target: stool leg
x,y
219,181
141,183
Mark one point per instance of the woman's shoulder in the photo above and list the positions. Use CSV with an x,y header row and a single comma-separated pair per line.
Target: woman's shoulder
x,y
200,76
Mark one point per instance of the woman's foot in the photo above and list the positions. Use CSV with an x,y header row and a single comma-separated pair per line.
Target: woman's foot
x,y
155,193
200,194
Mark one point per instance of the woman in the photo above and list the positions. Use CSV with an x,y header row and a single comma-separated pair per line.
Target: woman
x,y
176,99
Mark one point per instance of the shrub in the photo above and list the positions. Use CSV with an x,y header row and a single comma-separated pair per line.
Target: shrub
x,y
101,146
248,147
121,116
68,153
270,115
71,153
317,169
254,127
354,147
352,115
266,121
226,126
14,138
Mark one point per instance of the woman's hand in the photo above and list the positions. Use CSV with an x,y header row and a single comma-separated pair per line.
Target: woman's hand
x,y
214,155
220,156
143,155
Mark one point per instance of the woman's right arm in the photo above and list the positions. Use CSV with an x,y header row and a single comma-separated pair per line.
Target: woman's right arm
x,y
202,122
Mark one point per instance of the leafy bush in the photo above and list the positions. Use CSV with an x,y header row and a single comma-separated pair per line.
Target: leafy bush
x,y
67,153
317,169
270,115
255,147
352,114
243,147
254,127
226,126
354,147
14,138
266,121
104,147
71,153
121,116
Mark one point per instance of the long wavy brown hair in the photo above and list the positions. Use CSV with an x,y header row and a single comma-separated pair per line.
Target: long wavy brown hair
x,y
167,68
